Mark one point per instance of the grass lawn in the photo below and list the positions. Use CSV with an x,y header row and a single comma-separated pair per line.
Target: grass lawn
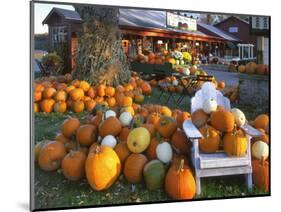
x,y
52,189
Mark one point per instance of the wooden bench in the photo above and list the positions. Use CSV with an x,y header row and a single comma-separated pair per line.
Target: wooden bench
x,y
219,164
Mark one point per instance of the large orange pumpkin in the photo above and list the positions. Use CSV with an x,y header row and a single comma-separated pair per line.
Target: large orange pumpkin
x,y
69,127
102,167
69,88
180,142
166,126
86,135
51,155
110,126
73,165
165,111
133,167
47,105
60,107
211,139
179,182
38,148
111,102
235,143
153,118
222,120
122,151
76,94
199,118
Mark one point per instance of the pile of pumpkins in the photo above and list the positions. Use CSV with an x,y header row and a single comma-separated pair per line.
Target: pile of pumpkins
x,y
253,68
153,58
221,131
147,147
59,94
178,85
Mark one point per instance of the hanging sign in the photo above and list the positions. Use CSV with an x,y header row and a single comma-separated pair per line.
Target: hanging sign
x,y
180,22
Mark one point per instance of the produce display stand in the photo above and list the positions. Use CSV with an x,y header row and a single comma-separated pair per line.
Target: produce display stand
x,y
152,71
219,164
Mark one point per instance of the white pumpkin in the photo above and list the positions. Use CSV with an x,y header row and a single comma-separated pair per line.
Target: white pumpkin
x,y
209,105
109,113
181,62
175,82
260,149
125,118
164,152
109,140
186,71
239,116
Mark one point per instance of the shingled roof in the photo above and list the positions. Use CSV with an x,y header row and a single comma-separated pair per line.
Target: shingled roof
x,y
70,15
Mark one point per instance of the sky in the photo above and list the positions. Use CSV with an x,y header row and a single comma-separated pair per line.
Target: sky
x,y
40,13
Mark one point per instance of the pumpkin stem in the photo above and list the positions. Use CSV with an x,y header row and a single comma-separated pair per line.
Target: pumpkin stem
x,y
97,150
262,161
181,166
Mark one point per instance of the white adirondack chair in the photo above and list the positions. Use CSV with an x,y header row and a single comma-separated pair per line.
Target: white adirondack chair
x,y
217,164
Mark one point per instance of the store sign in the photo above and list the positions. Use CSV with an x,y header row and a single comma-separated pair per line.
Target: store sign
x,y
259,25
181,22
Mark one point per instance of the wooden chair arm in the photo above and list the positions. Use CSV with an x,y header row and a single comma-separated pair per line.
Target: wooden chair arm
x,y
190,130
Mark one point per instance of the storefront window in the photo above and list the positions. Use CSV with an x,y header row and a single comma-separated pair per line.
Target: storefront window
x,y
59,34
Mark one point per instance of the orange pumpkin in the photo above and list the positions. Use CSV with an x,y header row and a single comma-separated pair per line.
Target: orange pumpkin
x,y
127,101
51,156
222,120
38,148
49,93
69,127
139,98
91,92
102,158
110,91
35,107
37,96
85,86
86,134
122,151
235,143
181,117
211,139
133,167
69,88
39,88
101,90
179,182
166,111
75,83
124,134
150,152
90,104
261,121
151,128
153,118
97,119
61,138
47,105
110,126
60,96
166,126
261,174
60,107
146,88
199,118
78,106
76,94
180,142
111,102
73,165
